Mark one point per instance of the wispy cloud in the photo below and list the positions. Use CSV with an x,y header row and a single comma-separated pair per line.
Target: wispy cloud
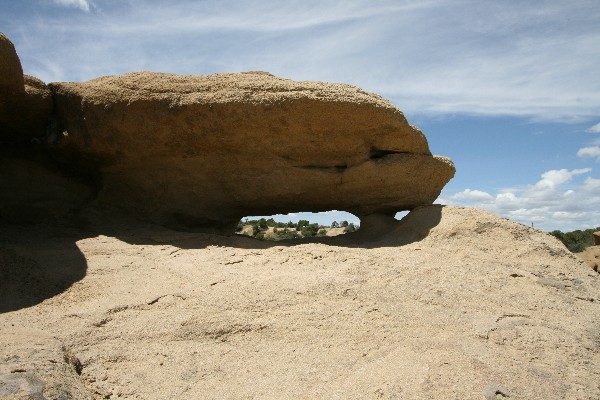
x,y
84,5
594,129
592,151
553,202
537,60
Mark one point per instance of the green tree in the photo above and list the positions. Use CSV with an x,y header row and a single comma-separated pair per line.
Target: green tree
x,y
576,241
335,224
309,230
239,226
262,224
350,228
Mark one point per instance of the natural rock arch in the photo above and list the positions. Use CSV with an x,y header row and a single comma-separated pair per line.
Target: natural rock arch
x,y
200,152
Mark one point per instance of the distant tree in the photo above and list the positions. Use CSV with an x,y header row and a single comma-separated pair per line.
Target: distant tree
x,y
335,224
271,222
322,232
239,226
350,228
302,223
291,224
287,234
309,230
262,224
255,230
576,241
344,224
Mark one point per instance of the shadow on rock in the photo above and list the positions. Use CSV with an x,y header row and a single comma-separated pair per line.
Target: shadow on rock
x,y
41,261
34,266
376,231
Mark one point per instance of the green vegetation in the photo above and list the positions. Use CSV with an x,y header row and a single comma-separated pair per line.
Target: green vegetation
x,y
576,241
289,230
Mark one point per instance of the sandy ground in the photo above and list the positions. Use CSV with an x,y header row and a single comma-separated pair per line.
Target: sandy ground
x,y
450,303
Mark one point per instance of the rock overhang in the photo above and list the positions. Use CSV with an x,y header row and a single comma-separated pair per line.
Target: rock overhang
x,y
200,149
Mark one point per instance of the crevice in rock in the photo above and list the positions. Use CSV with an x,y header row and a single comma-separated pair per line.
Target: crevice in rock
x,y
335,168
72,360
376,154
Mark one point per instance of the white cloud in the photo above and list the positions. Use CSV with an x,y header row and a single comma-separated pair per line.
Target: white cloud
x,y
84,5
472,195
594,129
592,151
553,178
591,184
554,202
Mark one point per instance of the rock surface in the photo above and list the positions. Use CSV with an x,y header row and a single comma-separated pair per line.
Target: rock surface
x,y
11,72
591,256
33,186
25,101
201,152
205,151
33,192
450,303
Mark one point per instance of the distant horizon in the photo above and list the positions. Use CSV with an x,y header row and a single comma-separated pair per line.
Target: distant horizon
x,y
511,94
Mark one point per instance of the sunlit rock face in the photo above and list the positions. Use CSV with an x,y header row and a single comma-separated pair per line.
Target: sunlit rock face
x,y
201,152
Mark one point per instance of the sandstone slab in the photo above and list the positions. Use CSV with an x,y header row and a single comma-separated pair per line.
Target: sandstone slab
x,y
205,151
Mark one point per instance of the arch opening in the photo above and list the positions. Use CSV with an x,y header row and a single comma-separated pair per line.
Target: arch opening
x,y
298,225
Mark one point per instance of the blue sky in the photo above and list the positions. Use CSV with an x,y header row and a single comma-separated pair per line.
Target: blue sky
x,y
510,90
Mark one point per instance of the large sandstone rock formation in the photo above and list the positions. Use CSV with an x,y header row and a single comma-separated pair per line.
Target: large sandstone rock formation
x,y
202,151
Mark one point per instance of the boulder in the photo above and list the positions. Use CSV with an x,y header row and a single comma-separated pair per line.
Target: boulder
x,y
11,73
25,101
201,152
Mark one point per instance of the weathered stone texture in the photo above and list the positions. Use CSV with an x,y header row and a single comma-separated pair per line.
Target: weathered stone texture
x,y
202,151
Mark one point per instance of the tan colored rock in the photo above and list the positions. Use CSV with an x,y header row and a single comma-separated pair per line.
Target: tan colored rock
x,y
591,256
205,151
25,101
11,73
